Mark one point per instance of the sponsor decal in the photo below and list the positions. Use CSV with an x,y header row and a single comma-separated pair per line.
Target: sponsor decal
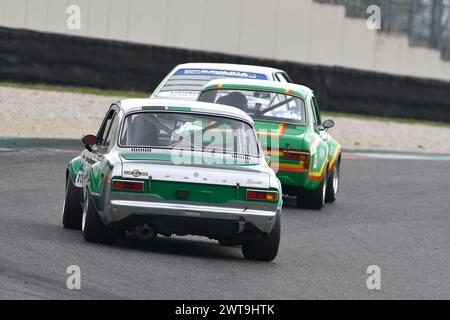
x,y
221,73
251,181
136,173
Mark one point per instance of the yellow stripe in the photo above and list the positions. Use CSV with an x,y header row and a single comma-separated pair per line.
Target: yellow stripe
x,y
300,165
333,159
274,153
319,173
273,134
281,127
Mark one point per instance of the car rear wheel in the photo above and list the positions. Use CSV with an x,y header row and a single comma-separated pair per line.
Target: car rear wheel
x,y
93,228
264,249
333,184
72,211
229,242
313,199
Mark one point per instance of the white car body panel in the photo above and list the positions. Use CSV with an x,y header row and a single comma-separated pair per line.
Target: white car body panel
x,y
220,70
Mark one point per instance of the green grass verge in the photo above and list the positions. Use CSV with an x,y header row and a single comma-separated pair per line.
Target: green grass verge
x,y
85,90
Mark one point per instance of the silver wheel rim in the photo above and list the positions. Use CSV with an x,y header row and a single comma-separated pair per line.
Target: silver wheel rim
x,y
85,206
324,189
336,180
64,203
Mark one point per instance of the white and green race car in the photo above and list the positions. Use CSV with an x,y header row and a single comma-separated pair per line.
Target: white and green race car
x,y
174,167
186,80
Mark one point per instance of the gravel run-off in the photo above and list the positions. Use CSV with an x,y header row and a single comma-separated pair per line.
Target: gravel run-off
x,y
51,114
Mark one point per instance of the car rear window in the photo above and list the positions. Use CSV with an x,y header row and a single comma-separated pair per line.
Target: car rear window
x,y
189,82
187,131
260,105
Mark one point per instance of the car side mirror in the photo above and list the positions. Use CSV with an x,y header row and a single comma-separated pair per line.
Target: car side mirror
x,y
89,141
327,124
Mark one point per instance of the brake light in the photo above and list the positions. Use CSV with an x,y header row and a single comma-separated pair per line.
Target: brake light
x,y
262,195
128,185
296,155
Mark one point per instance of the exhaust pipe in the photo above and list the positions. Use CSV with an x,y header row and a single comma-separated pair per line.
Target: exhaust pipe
x,y
145,232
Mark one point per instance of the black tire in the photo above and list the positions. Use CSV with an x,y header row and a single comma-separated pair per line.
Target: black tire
x,y
93,228
72,213
264,249
333,183
229,242
313,199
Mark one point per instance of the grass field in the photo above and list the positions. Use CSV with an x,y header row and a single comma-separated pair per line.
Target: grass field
x,y
138,94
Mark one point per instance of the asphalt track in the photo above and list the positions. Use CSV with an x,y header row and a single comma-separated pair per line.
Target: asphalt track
x,y
393,213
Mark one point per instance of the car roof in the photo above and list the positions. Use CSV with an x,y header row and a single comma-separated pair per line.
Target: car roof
x,y
131,105
265,85
228,66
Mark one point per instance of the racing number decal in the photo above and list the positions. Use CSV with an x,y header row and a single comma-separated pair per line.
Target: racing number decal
x,y
79,181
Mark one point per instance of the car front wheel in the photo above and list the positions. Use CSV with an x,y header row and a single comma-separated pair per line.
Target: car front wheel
x,y
72,211
265,249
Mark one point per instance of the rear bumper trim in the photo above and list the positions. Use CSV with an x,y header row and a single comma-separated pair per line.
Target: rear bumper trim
x,y
121,209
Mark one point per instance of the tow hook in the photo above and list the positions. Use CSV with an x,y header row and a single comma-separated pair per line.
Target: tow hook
x,y
145,232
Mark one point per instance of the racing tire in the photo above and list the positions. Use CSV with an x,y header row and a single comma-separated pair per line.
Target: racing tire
x,y
93,228
265,249
72,212
229,242
313,199
333,184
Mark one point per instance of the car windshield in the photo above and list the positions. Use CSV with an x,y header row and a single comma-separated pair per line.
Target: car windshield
x,y
188,83
261,105
187,131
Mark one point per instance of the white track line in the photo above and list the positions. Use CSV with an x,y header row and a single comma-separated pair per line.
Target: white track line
x,y
394,156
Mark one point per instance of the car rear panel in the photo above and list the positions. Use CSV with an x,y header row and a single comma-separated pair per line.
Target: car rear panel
x,y
194,182
279,139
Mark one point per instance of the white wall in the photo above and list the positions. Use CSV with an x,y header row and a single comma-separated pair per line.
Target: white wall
x,y
294,30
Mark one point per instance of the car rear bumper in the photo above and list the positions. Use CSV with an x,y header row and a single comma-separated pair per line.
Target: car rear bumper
x,y
185,218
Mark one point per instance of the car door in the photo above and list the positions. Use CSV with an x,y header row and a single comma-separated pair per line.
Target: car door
x,y
104,138
316,116
318,146
334,148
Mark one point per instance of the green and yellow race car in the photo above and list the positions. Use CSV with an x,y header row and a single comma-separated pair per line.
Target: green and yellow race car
x,y
296,141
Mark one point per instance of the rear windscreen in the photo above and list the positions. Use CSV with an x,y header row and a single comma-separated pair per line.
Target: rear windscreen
x,y
189,82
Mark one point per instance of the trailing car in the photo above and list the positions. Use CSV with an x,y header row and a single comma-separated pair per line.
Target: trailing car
x,y
296,141
186,81
175,167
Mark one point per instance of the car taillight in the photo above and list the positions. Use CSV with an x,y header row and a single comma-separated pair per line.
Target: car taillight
x,y
127,185
296,155
262,195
